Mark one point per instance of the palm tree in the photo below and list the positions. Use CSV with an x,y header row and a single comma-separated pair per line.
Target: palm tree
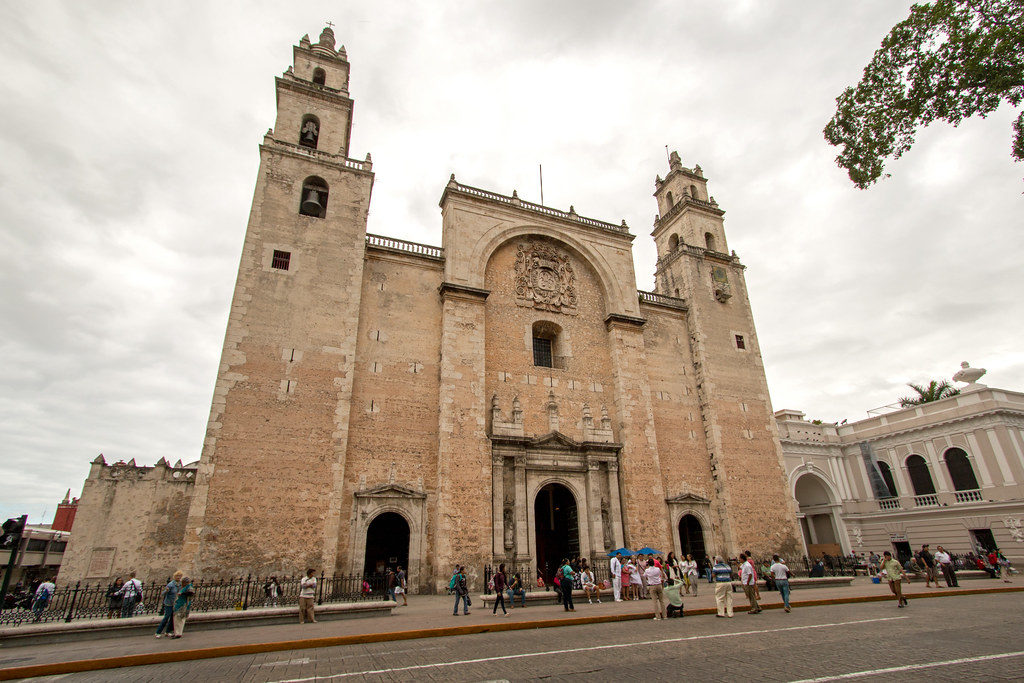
x,y
933,392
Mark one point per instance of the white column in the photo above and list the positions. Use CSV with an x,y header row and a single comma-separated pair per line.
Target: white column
x,y
900,474
978,458
938,471
1004,465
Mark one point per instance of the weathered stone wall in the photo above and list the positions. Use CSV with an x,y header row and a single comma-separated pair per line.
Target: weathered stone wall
x,y
129,519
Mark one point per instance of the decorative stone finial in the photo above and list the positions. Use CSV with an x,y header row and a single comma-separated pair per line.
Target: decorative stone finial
x,y
697,170
304,41
674,162
327,38
162,463
970,376
100,460
67,497
178,463
452,182
572,210
713,202
131,463
606,422
624,223
342,53
517,410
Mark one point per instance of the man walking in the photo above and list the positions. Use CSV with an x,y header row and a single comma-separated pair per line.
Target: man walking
x,y
390,581
748,577
722,575
615,566
894,573
780,572
929,567
945,562
401,586
461,592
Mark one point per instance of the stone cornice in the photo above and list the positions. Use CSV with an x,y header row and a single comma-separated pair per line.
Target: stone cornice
x,y
450,290
315,92
338,161
987,418
624,321
680,207
555,441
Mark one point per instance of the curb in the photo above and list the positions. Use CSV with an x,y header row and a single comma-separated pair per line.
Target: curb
x,y
81,665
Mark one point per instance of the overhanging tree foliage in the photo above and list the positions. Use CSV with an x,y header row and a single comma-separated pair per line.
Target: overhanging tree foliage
x,y
948,61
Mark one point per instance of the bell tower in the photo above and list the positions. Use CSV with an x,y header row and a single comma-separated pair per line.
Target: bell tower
x,y
745,457
268,486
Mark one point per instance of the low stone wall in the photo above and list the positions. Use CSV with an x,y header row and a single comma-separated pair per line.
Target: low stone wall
x,y
39,634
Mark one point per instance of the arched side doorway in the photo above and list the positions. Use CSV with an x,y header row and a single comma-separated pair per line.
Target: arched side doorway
x,y
556,526
817,521
387,543
691,538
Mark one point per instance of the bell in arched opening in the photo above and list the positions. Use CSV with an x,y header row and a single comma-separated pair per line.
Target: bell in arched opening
x,y
311,205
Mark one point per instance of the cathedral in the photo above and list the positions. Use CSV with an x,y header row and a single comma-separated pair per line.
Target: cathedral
x,y
508,396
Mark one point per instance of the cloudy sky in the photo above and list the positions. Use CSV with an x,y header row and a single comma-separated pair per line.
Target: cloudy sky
x,y
128,156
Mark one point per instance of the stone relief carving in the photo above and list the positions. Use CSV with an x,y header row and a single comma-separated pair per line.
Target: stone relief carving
x,y
510,528
606,523
720,280
858,535
1015,527
545,279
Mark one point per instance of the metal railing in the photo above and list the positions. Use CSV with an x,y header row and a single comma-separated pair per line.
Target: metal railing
x,y
96,601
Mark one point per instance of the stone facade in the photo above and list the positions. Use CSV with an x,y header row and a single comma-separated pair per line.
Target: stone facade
x,y
948,473
507,396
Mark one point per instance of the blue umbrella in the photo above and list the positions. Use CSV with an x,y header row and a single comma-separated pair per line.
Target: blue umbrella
x,y
647,550
625,552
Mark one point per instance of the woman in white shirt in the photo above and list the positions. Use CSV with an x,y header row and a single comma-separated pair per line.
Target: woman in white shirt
x,y
634,581
691,574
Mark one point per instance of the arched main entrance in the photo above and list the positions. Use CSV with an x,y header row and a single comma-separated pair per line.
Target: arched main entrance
x,y
387,543
818,522
557,528
691,538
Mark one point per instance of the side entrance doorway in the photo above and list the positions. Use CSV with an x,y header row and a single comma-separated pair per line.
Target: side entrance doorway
x,y
387,543
691,539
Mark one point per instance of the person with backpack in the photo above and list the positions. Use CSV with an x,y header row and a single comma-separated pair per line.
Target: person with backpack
x,y
458,586
566,575
42,598
131,593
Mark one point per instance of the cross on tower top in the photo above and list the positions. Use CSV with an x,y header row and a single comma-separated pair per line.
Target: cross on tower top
x,y
330,24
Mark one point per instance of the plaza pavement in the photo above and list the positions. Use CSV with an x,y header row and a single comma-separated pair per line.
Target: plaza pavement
x,y
426,616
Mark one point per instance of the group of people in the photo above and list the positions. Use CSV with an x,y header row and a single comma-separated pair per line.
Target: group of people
x,y
929,564
175,603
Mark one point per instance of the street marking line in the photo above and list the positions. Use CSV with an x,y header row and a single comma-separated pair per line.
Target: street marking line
x,y
591,648
911,667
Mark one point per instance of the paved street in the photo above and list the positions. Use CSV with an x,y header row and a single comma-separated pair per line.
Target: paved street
x,y
968,638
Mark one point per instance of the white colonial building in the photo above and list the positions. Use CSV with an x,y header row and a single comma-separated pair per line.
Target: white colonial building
x,y
949,472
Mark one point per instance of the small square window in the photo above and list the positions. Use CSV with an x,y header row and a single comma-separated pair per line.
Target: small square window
x,y
740,344
281,260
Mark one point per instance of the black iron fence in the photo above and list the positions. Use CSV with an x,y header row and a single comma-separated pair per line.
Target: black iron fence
x,y
97,601
534,580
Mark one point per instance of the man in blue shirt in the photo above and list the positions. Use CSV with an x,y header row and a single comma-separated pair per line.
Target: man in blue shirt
x,y
723,587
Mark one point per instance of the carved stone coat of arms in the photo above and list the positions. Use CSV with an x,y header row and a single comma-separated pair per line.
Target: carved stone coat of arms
x,y
544,279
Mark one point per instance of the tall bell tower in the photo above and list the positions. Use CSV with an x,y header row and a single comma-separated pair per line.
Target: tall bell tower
x,y
268,487
745,457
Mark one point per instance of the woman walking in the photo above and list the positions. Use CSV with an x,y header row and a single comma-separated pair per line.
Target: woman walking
x,y
182,606
115,598
499,590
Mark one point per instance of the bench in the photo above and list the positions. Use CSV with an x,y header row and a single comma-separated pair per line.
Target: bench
x,y
545,597
807,582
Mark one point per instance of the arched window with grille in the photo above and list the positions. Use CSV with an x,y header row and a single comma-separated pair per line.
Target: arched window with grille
x,y
314,197
920,477
546,344
960,470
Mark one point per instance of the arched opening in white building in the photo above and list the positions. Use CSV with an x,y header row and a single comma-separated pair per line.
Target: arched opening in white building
x,y
960,470
557,528
387,543
920,477
691,539
817,519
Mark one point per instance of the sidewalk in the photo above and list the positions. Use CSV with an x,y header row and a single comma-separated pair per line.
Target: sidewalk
x,y
426,616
